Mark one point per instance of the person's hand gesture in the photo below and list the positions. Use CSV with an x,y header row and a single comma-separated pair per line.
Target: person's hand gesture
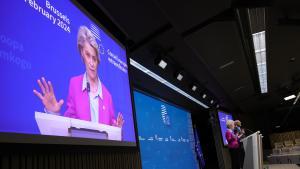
x,y
48,97
120,121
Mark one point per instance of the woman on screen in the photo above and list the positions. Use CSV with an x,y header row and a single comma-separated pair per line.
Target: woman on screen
x,y
88,98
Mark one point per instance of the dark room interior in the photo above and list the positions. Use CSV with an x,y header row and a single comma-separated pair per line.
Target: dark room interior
x,y
211,45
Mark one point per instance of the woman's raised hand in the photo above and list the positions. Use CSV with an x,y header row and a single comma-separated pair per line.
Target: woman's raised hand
x,y
47,96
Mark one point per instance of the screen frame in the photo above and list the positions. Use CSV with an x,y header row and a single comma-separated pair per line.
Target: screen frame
x,y
219,124
21,138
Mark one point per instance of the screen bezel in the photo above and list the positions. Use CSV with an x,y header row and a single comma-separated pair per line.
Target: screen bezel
x,y
11,137
219,124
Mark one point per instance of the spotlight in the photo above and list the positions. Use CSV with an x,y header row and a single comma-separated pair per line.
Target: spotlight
x,y
161,62
194,87
179,76
212,101
290,97
204,96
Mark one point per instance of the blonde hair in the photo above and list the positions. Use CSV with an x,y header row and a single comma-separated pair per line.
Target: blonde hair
x,y
238,123
229,123
85,35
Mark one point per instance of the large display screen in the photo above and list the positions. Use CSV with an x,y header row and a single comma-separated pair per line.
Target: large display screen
x,y
62,74
165,134
223,117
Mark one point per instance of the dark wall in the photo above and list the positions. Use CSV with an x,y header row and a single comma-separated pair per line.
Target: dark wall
x,y
29,156
202,121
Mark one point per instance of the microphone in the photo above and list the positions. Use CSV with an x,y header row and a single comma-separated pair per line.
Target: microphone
x,y
88,87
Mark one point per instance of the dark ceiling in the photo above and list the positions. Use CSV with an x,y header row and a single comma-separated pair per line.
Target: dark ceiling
x,y
210,42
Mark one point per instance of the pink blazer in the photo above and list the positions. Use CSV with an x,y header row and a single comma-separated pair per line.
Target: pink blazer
x,y
231,139
78,105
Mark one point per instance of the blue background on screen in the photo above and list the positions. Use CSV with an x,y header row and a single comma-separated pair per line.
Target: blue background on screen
x,y
48,50
157,119
223,117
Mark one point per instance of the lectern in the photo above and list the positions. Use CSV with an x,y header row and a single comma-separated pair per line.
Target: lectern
x,y
253,151
50,124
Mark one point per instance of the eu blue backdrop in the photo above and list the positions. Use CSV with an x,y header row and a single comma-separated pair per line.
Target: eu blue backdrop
x,y
158,123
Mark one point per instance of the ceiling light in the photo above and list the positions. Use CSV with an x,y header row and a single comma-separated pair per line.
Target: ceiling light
x,y
226,65
163,64
218,106
204,96
194,87
179,77
261,62
163,81
257,20
212,101
289,97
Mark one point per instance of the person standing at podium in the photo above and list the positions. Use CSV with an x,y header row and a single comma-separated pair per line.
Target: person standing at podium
x,y
88,98
241,134
233,144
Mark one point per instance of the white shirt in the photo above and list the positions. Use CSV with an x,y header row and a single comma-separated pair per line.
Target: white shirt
x,y
93,98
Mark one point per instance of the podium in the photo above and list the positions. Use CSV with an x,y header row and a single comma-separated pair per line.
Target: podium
x,y
55,125
253,151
